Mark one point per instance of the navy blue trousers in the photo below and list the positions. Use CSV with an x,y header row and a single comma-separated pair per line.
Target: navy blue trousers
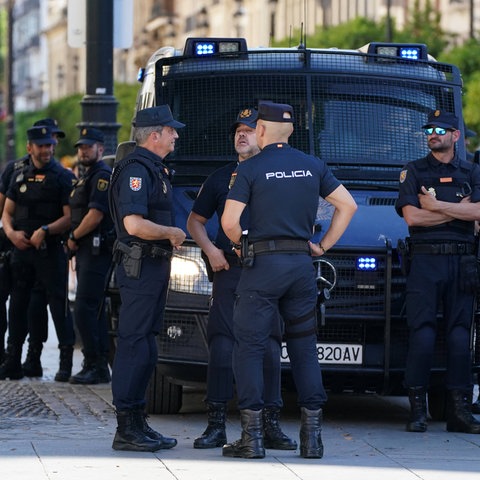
x,y
277,284
221,340
433,282
91,272
140,320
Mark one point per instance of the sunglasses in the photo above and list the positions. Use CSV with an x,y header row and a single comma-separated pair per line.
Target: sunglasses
x,y
438,130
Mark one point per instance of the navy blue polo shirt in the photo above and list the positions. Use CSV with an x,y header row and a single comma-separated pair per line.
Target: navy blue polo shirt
x,y
211,199
141,190
447,181
282,186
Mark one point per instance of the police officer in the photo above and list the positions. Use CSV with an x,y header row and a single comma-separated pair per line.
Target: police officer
x,y
37,307
282,187
36,214
226,273
88,241
141,206
438,198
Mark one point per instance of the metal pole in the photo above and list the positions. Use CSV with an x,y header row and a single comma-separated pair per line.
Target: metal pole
x,y
99,106
10,113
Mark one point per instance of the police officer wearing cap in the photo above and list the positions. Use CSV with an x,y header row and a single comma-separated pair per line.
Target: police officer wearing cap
x,y
35,215
88,240
37,308
438,199
38,315
226,273
140,200
282,210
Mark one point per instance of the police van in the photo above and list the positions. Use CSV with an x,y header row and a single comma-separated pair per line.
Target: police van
x,y
359,110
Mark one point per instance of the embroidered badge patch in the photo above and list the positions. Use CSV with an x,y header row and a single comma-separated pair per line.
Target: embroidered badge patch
x,y
135,183
102,184
403,176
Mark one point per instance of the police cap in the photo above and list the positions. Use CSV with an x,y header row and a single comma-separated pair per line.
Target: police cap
x,y
156,116
439,118
40,136
52,124
248,117
275,112
89,136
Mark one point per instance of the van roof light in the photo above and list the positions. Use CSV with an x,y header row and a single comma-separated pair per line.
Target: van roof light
x,y
205,47
405,51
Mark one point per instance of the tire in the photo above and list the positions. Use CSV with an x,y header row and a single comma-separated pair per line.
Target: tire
x,y
163,397
437,403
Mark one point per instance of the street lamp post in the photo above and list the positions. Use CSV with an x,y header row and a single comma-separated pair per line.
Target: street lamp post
x,y
99,106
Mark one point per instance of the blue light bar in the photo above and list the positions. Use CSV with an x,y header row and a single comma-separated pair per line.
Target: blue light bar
x,y
367,264
205,47
405,51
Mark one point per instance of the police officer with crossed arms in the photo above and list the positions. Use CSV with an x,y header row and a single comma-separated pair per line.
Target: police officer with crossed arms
x,y
282,208
438,199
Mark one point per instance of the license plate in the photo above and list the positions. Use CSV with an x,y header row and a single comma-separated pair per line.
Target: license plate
x,y
333,354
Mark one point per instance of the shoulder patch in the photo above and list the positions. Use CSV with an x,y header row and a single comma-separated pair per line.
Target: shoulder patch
x,y
102,184
135,183
403,176
232,180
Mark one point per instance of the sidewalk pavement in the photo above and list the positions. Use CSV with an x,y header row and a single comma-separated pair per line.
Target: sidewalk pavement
x,y
50,430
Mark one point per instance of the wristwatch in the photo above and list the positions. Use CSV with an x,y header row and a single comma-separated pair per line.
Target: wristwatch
x,y
45,229
71,236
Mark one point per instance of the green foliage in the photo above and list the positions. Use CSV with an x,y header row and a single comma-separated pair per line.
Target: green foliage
x,y
352,34
68,113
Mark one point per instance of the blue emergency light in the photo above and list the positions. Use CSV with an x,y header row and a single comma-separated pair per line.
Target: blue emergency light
x,y
367,264
206,47
408,51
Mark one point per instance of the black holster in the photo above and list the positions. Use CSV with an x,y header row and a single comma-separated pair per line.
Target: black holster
x,y
247,253
130,257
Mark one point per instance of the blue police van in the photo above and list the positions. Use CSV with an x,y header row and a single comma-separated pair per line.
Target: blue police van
x,y
361,111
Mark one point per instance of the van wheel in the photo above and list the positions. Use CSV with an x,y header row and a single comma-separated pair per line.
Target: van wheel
x,y
163,396
437,403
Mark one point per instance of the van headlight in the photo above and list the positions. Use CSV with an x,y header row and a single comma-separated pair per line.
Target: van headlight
x,y
188,272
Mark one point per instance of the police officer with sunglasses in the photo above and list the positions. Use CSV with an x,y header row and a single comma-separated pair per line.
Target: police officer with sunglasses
x,y
437,198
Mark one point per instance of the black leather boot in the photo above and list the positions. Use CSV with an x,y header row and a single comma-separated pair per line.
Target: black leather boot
x,y
12,365
103,371
418,409
2,352
250,444
459,415
273,437
129,435
476,406
32,367
165,442
65,368
88,375
215,434
311,445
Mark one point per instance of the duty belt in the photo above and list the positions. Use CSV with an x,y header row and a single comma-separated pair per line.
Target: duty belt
x,y
449,248
154,251
281,246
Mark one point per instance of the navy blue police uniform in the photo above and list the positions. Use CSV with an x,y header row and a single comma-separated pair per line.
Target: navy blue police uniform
x,y
140,186
282,187
211,199
92,263
40,195
37,309
282,207
436,274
